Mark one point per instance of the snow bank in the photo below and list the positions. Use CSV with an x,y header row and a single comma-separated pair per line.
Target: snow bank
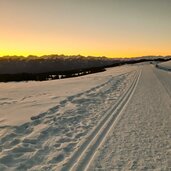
x,y
165,65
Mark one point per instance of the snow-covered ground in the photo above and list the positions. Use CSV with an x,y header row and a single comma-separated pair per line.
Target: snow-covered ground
x,y
118,120
141,137
21,100
165,65
43,124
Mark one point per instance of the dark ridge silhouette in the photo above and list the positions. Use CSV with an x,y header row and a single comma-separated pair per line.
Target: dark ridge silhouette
x,y
18,68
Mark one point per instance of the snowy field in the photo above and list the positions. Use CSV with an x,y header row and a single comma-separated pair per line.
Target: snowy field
x,y
42,124
117,120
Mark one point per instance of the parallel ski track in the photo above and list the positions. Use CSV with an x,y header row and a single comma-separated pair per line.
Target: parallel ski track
x,y
82,158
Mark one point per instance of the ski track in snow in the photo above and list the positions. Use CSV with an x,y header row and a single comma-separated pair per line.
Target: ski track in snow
x,y
141,139
84,155
50,138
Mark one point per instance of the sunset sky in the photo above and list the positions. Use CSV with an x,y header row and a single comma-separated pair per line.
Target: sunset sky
x,y
113,28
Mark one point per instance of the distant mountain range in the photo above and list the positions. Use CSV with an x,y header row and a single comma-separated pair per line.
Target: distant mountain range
x,y
57,66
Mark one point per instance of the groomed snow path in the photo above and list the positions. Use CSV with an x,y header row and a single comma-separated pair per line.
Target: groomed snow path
x,y
141,138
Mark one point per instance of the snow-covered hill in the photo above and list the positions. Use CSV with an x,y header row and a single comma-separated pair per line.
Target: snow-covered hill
x,y
114,120
44,123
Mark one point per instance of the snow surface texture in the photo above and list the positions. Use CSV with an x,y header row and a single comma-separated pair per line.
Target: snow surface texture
x,y
118,120
44,123
141,138
19,101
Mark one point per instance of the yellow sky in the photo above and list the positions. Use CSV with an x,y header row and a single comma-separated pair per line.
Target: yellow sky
x,y
112,28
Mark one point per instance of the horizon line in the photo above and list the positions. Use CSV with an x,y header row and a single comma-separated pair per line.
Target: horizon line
x,y
39,56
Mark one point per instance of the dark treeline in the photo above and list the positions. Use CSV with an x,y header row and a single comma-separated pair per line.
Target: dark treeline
x,y
15,68
48,75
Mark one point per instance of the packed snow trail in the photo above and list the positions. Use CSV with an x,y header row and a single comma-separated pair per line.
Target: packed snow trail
x,y
141,139
83,156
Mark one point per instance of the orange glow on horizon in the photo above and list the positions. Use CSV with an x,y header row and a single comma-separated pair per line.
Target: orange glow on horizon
x,y
20,43
70,52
